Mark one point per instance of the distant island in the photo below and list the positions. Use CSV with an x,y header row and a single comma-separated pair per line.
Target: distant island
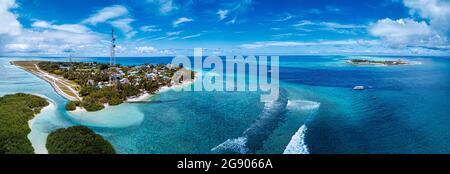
x,y
77,140
376,62
92,86
15,112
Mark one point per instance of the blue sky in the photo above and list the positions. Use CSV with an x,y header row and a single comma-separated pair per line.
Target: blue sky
x,y
225,27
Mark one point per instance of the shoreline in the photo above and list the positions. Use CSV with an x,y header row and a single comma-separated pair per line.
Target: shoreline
x,y
37,138
142,97
146,96
46,77
31,67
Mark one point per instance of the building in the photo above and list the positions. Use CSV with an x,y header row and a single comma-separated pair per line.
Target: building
x,y
125,81
90,82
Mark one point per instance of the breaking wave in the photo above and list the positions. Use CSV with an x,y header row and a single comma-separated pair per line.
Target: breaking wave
x,y
236,145
297,144
253,137
302,105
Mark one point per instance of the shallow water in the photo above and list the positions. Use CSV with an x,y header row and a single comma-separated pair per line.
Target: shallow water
x,y
406,111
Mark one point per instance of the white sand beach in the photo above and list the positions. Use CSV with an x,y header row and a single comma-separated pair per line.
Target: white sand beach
x,y
37,137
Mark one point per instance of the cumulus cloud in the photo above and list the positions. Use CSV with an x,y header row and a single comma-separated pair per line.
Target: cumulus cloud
x,y
181,20
106,14
8,20
43,37
50,41
427,29
436,11
403,32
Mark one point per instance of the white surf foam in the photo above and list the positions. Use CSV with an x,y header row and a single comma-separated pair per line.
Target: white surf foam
x,y
297,144
302,105
236,145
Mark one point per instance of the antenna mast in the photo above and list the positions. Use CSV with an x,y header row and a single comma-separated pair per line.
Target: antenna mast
x,y
112,60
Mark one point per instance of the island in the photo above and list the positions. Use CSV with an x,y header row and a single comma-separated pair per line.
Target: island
x,y
15,112
93,86
375,62
77,140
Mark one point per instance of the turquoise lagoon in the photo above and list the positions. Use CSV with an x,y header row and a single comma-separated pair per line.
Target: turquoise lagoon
x,y
405,111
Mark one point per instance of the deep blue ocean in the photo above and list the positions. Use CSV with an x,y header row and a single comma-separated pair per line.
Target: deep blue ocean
x,y
405,110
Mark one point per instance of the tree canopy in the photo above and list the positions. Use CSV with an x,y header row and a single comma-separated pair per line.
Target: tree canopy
x,y
15,112
77,140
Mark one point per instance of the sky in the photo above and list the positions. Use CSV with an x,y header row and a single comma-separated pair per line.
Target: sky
x,y
224,27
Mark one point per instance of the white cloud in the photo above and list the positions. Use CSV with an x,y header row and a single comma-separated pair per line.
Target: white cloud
x,y
436,11
124,26
74,28
181,21
44,37
175,33
106,14
333,25
303,23
429,30
286,17
287,35
165,6
146,50
117,16
308,26
222,14
8,20
234,9
271,44
405,32
333,9
242,5
150,28
191,36
17,47
233,21
159,38
50,41
327,25
264,44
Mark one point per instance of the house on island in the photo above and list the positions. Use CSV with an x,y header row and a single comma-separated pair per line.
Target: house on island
x,y
90,82
124,81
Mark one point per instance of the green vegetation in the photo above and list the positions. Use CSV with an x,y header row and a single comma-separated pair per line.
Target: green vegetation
x,y
103,84
15,112
72,105
77,140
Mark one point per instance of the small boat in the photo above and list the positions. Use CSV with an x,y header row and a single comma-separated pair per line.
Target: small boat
x,y
359,88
